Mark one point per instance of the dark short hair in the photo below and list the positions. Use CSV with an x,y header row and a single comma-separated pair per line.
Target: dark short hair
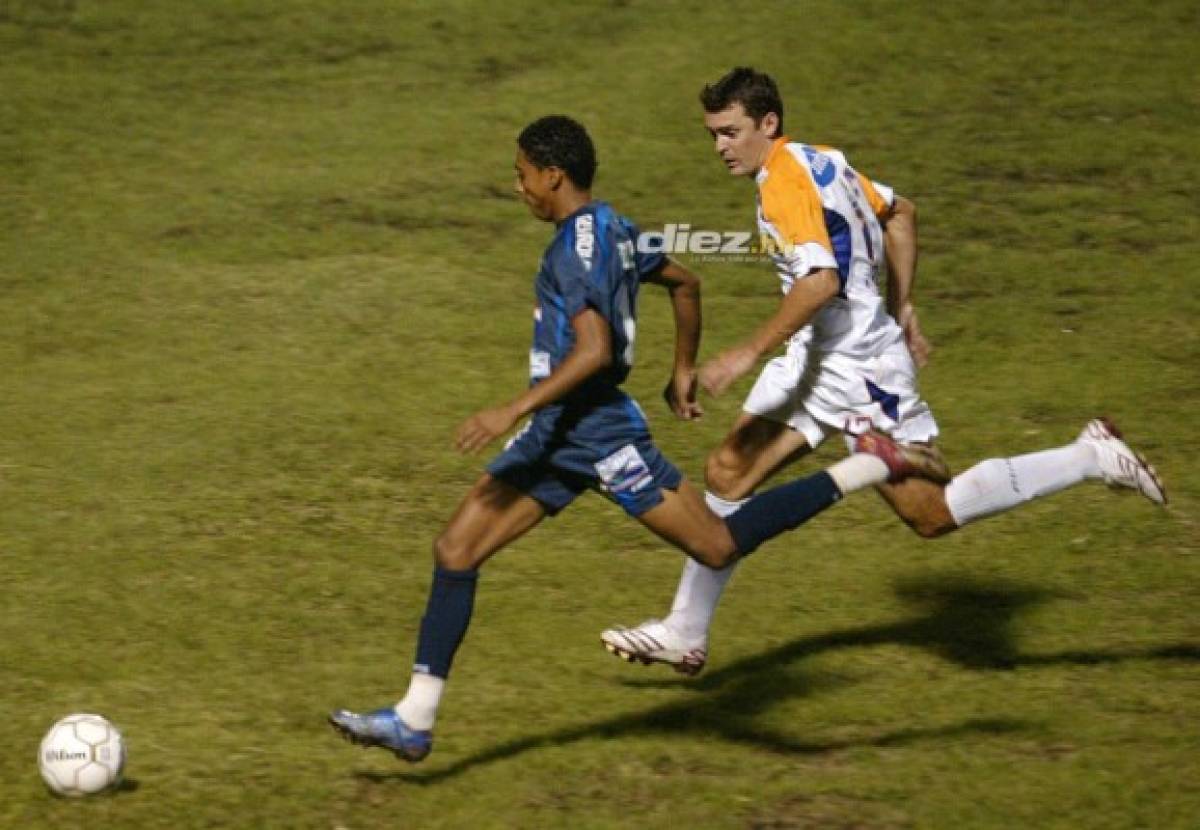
x,y
755,91
559,141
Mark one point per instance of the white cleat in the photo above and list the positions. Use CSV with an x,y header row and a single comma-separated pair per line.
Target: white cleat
x,y
655,642
1121,466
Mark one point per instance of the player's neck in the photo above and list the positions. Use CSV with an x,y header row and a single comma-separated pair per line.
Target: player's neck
x,y
568,201
769,150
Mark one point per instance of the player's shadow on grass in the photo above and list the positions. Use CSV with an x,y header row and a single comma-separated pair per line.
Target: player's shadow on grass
x,y
967,622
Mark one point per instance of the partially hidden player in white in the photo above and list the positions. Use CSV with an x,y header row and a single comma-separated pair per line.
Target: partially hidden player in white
x,y
849,361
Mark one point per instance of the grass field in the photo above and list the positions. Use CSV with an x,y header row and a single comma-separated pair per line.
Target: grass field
x,y
257,260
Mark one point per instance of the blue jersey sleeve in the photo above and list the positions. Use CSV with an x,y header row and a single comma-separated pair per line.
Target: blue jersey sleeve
x,y
581,263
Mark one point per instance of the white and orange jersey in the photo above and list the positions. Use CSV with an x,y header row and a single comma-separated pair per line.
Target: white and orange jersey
x,y
815,211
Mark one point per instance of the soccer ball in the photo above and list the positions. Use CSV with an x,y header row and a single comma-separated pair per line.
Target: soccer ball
x,y
81,755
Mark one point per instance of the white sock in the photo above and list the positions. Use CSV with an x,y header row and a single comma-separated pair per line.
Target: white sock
x,y
700,587
1000,484
858,471
420,704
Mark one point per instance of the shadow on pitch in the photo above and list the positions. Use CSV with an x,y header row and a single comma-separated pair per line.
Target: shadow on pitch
x,y
966,622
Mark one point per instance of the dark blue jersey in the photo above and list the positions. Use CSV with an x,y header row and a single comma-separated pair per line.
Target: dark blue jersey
x,y
593,262
595,436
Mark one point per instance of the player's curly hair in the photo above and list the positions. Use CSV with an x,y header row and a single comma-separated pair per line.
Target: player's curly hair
x,y
559,141
755,91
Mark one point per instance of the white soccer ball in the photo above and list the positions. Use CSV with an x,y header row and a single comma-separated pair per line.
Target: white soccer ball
x,y
81,754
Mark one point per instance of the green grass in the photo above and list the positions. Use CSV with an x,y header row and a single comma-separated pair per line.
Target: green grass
x,y
257,261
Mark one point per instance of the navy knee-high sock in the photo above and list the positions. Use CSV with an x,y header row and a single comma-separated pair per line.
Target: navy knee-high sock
x,y
447,615
781,508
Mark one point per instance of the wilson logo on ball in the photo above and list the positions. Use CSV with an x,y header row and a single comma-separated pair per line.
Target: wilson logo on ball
x,y
61,755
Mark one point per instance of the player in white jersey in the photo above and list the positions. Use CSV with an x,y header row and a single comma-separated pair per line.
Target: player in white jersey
x,y
848,360
849,363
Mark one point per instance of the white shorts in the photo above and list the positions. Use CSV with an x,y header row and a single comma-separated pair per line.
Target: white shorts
x,y
816,393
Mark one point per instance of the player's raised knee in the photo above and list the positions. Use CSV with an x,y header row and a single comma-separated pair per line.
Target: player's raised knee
x,y
713,553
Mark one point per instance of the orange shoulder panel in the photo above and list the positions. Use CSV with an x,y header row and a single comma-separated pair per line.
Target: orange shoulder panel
x,y
791,203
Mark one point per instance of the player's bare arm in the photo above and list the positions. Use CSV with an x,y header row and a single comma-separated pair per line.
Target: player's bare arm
x,y
684,289
900,250
591,353
804,300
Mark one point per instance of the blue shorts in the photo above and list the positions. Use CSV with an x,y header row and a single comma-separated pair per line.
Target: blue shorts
x,y
563,451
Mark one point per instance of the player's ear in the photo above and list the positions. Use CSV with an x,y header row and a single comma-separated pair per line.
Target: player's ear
x,y
555,177
770,124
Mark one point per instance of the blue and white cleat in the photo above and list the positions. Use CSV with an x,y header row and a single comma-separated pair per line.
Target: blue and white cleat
x,y
383,728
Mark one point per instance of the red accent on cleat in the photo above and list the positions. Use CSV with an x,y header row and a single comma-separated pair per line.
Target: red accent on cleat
x,y
903,460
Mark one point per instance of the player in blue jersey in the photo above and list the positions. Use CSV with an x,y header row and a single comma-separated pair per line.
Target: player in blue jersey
x,y
585,433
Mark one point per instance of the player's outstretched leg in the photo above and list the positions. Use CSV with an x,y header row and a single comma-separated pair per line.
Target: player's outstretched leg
x,y
383,728
997,485
491,515
407,728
